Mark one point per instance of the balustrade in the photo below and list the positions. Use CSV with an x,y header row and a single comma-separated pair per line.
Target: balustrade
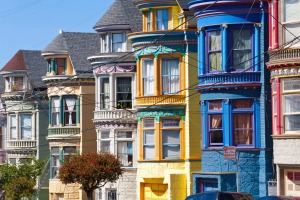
x,y
21,144
114,114
158,100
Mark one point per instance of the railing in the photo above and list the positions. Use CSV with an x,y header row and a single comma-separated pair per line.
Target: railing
x,y
21,143
114,114
289,54
219,79
158,100
63,131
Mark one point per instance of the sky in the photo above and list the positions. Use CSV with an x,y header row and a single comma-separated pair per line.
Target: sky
x,y
33,24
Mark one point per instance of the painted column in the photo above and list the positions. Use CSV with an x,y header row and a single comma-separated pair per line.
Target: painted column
x,y
257,47
204,124
278,106
201,50
275,8
224,46
111,92
227,128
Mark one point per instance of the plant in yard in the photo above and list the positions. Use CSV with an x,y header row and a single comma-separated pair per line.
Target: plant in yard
x,y
92,170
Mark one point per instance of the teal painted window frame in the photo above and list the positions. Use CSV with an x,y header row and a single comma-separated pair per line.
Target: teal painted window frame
x,y
52,66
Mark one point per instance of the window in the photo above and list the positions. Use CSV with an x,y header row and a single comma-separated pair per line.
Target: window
x,y
291,113
57,65
105,141
214,51
12,161
149,139
26,132
118,42
291,20
292,179
124,148
215,123
171,138
170,76
18,84
242,122
111,194
208,185
55,161
21,126
148,77
69,111
68,151
104,43
64,111
104,93
162,18
124,94
242,50
148,20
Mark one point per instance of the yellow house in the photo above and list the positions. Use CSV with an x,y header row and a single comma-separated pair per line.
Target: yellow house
x,y
71,89
166,101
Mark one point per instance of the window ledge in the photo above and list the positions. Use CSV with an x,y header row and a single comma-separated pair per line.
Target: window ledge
x,y
287,136
161,161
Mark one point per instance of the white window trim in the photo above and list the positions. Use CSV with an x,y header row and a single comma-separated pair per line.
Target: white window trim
x,y
18,126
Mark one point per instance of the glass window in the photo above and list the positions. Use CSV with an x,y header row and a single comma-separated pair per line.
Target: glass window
x,y
215,123
149,139
171,138
69,111
242,122
111,194
118,42
60,63
18,84
12,161
124,148
105,141
148,18
55,161
148,77
291,20
291,112
104,43
26,130
242,49
170,76
124,94
162,18
291,85
104,93
13,127
214,51
55,111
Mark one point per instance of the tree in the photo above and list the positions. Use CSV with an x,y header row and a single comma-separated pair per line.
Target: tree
x,y
19,181
91,170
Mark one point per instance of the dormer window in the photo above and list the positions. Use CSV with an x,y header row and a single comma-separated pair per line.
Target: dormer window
x,y
162,18
57,66
156,19
113,42
14,83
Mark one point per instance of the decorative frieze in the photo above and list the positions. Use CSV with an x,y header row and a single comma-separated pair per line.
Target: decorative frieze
x,y
112,69
291,71
157,114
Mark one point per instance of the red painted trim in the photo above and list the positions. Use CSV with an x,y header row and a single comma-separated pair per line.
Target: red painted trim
x,y
276,20
278,106
270,26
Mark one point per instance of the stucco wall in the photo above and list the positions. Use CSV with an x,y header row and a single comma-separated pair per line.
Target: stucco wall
x,y
286,151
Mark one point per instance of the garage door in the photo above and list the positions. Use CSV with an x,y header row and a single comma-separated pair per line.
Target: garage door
x,y
156,191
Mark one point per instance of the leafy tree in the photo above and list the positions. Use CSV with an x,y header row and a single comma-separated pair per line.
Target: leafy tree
x,y
91,170
20,180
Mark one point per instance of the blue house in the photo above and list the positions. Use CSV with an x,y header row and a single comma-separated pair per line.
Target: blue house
x,y
235,100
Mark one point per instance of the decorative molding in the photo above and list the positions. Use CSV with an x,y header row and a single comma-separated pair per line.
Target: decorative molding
x,y
20,107
115,125
157,114
111,69
291,71
155,50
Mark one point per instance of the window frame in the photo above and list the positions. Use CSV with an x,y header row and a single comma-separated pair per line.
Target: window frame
x,y
105,140
147,129
104,105
66,112
128,140
52,65
27,126
18,126
209,68
165,145
165,11
210,129
11,126
130,93
148,77
177,90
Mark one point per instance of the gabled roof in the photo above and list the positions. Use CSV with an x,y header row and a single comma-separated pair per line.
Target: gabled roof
x,y
77,45
122,12
32,62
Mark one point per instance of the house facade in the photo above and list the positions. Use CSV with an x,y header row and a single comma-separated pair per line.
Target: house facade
x,y
235,98
166,101
115,76
25,110
71,88
284,65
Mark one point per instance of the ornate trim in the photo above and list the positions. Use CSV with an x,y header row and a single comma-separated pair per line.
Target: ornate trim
x,y
110,125
291,71
155,50
157,114
111,69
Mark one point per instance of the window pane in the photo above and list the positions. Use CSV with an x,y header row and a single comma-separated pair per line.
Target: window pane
x,y
214,51
171,144
215,105
55,111
60,62
291,84
242,104
149,137
292,122
112,195
125,153
70,111
124,95
149,142
148,16
170,123
18,84
117,42
105,146
26,126
291,103
170,75
104,93
292,31
148,77
215,129
162,19
215,41
104,134
243,128
148,123
13,127
242,50
149,152
124,134
291,10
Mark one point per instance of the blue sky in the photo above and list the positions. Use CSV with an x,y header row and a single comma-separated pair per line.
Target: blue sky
x,y
33,24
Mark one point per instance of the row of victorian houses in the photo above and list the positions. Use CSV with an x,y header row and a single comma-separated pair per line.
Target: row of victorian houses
x,y
166,86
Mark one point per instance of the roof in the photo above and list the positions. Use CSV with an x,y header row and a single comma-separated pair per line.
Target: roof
x,y
77,45
184,4
30,60
122,12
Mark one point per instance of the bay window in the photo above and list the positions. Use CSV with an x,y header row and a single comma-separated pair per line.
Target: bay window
x,y
291,113
171,138
291,20
104,93
20,126
214,51
148,77
124,93
170,76
14,83
162,18
149,139
242,49
113,42
215,123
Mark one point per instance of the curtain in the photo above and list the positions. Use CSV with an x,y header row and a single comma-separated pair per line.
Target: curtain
x,y
13,127
26,132
171,144
242,127
170,73
71,107
149,142
148,77
55,111
162,17
216,133
215,56
242,49
215,105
